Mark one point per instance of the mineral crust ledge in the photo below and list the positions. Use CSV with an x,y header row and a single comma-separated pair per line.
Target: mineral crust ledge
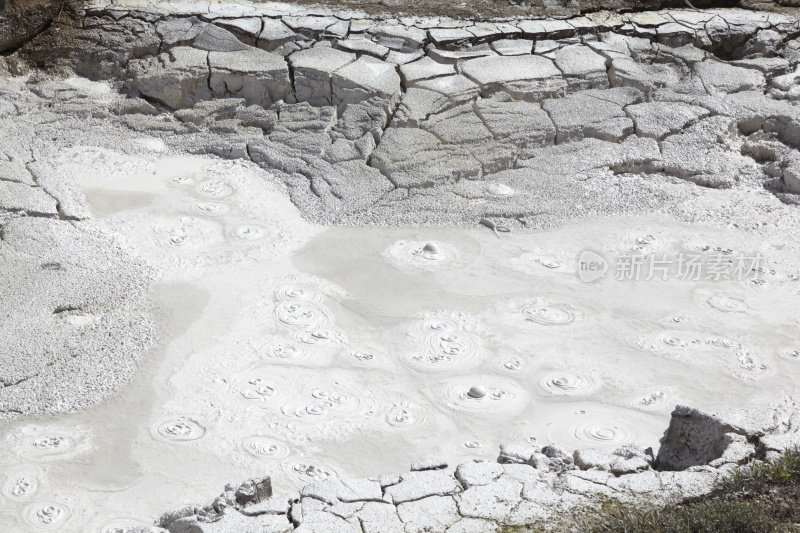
x,y
527,485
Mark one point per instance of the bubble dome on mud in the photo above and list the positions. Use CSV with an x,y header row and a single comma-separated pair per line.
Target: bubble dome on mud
x,y
420,255
483,395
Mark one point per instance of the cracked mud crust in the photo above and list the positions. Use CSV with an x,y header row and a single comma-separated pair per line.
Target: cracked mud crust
x,y
545,488
605,113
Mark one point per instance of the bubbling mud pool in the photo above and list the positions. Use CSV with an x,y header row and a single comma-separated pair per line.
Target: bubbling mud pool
x,y
307,353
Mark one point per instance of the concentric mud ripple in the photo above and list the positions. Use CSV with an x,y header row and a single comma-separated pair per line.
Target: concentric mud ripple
x,y
262,447
749,366
568,384
260,388
405,414
180,233
39,443
297,306
287,351
248,232
676,321
719,301
47,515
420,255
442,343
673,343
21,484
321,337
542,262
301,287
303,471
722,343
324,402
297,352
790,354
483,395
320,400
642,242
655,400
297,291
474,444
727,304
361,356
586,431
301,314
180,429
541,311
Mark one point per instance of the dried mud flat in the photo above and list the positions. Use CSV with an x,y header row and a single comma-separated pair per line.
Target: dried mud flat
x,y
320,245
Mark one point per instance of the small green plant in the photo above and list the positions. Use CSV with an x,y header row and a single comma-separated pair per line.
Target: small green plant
x,y
782,471
712,516
761,498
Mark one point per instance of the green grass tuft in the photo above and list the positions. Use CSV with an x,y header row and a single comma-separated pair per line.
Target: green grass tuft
x,y
712,516
761,498
783,471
